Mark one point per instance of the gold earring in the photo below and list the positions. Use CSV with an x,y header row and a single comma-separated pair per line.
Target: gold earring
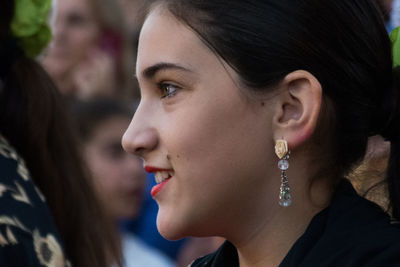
x,y
283,153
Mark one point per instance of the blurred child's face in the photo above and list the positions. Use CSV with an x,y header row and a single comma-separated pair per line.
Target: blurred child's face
x,y
118,176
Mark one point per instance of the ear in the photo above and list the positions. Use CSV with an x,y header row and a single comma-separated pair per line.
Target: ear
x,y
298,108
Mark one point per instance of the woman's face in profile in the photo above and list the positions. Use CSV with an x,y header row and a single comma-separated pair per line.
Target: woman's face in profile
x,y
195,123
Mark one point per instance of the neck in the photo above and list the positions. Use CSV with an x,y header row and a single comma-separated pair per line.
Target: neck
x,y
268,240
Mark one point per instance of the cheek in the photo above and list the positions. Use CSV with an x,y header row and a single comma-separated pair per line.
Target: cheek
x,y
84,38
215,165
104,182
104,172
218,137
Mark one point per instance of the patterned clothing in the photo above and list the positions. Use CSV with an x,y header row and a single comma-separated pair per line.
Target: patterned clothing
x,y
28,236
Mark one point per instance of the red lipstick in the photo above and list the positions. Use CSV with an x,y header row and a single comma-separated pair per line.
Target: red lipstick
x,y
157,188
151,169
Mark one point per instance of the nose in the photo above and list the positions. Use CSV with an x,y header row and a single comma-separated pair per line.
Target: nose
x,y
140,138
58,30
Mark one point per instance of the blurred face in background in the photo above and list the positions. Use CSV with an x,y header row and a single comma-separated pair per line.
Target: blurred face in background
x,y
75,32
118,176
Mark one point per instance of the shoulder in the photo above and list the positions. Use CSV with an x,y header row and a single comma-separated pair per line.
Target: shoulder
x,y
19,196
137,253
19,246
376,243
352,231
28,236
11,164
375,246
357,233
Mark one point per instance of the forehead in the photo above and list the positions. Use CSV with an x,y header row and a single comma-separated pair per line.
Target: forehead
x,y
76,6
164,38
112,127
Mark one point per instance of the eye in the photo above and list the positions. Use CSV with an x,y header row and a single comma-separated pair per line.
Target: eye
x,y
168,90
75,19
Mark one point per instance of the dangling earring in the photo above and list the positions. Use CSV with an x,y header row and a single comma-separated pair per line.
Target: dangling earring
x,y
283,153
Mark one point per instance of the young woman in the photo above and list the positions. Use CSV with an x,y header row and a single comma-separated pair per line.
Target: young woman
x,y
47,206
252,112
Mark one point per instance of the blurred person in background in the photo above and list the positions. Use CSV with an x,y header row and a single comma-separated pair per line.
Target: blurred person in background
x,y
368,178
47,204
91,53
376,160
118,177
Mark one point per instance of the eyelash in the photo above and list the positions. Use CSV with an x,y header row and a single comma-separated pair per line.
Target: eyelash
x,y
164,89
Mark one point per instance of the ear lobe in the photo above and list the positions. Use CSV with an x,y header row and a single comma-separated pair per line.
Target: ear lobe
x,y
299,106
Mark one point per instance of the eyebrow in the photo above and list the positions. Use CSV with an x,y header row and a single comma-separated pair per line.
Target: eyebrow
x,y
151,71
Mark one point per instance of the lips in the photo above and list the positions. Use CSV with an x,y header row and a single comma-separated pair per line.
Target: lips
x,y
161,175
151,169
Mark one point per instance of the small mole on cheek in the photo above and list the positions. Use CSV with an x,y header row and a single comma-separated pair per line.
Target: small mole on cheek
x,y
168,157
262,103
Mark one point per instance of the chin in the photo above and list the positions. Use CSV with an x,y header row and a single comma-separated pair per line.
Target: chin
x,y
170,227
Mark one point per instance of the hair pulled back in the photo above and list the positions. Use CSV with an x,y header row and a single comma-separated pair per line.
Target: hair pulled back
x,y
343,43
33,118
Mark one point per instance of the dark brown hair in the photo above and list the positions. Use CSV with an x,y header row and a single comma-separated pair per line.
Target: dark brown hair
x,y
34,119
